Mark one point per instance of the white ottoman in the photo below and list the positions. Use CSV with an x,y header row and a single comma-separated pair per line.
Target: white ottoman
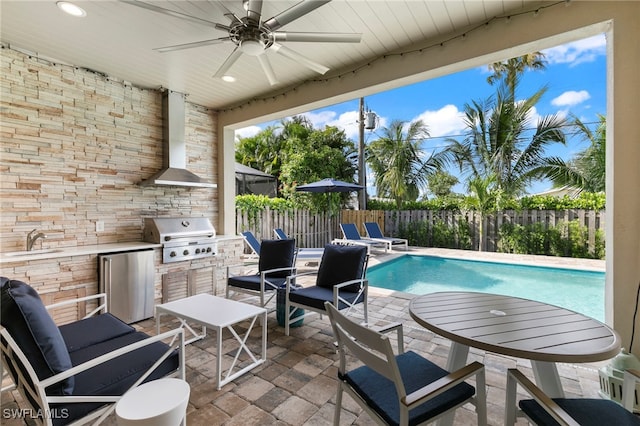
x,y
160,402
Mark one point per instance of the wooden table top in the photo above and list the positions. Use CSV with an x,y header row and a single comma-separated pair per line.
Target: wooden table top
x,y
516,327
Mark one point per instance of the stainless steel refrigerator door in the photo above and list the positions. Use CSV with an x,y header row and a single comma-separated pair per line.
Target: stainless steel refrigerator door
x,y
128,281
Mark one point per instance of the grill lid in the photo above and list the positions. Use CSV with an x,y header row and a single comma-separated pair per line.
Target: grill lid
x,y
166,229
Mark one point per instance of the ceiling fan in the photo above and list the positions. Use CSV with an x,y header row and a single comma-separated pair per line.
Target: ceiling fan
x,y
253,36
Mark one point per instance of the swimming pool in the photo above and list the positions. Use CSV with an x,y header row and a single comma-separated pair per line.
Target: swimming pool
x,y
578,290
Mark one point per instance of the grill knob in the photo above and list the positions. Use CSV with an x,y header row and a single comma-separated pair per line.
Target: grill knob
x,y
208,249
173,254
197,251
185,253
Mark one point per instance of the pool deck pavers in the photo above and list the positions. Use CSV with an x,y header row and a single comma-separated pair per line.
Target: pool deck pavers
x,y
297,384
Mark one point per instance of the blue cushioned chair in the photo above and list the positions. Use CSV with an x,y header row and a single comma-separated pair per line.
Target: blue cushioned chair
x,y
403,389
252,242
340,280
303,254
545,411
75,373
375,233
276,262
351,236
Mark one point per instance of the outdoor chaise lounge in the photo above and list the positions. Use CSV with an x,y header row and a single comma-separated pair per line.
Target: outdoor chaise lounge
x,y
375,233
75,373
309,254
351,236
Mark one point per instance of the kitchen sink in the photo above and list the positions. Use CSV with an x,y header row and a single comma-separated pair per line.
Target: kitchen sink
x,y
31,252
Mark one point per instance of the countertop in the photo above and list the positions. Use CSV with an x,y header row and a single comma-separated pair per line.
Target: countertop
x,y
52,253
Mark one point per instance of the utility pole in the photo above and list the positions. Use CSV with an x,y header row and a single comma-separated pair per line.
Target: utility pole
x,y
362,175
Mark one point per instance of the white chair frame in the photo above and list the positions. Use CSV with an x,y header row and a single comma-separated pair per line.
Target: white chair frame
x,y
516,377
374,350
37,391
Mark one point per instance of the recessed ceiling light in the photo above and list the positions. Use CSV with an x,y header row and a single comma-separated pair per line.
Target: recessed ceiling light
x,y
228,78
71,9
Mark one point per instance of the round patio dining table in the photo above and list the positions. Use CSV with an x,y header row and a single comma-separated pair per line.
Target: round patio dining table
x,y
522,328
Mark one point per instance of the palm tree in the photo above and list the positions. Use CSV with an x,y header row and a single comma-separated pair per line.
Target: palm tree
x,y
397,161
498,143
509,71
586,171
485,198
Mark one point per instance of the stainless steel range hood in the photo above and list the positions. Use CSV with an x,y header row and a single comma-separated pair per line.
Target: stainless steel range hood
x,y
174,172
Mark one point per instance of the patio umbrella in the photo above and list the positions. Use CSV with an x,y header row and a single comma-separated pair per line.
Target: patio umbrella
x,y
329,185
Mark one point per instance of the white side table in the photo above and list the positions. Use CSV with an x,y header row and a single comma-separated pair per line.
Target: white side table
x,y
161,402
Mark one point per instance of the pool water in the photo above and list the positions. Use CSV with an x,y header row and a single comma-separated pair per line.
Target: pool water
x,y
577,290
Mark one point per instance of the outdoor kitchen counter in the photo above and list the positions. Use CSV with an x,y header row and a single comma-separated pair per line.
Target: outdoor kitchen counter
x,y
23,256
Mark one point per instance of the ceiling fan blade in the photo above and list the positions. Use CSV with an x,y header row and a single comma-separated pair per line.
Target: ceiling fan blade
x,y
268,71
169,12
295,56
191,45
228,63
293,13
254,10
319,37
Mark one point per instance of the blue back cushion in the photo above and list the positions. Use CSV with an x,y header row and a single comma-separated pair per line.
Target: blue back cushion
x,y
30,325
342,263
276,254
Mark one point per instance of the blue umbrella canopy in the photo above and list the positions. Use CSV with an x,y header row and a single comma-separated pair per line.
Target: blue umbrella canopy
x,y
329,185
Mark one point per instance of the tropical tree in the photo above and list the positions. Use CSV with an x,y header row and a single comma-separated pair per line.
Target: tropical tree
x,y
484,197
441,183
295,152
586,170
501,140
508,71
397,161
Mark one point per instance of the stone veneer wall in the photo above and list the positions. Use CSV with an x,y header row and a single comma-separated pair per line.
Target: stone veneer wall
x,y
75,145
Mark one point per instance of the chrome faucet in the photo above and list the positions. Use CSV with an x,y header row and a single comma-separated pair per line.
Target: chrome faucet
x,y
31,239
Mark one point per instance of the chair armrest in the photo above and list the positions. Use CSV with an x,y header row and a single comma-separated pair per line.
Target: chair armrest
x,y
362,281
102,306
445,383
302,274
174,334
389,328
269,271
631,377
540,397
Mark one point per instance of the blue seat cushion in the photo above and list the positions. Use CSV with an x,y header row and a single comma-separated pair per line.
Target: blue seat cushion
x,y
380,393
586,412
252,282
30,325
340,264
275,254
116,376
316,296
89,331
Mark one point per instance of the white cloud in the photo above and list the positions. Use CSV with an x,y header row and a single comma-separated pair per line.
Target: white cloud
x,y
574,53
247,132
571,98
448,120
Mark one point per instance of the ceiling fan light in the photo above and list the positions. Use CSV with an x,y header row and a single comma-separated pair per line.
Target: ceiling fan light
x,y
252,47
71,9
228,78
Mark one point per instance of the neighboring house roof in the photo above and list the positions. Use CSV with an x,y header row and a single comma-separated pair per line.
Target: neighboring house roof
x,y
560,192
252,181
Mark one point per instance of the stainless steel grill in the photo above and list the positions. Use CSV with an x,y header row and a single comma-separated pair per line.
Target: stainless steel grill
x,y
182,238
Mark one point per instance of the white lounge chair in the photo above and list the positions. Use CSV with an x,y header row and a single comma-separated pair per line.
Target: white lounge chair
x,y
375,233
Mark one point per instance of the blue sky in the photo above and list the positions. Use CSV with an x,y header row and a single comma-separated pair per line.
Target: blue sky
x,y
575,76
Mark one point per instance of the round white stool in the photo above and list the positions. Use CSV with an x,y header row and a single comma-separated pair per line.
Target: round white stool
x,y
160,402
